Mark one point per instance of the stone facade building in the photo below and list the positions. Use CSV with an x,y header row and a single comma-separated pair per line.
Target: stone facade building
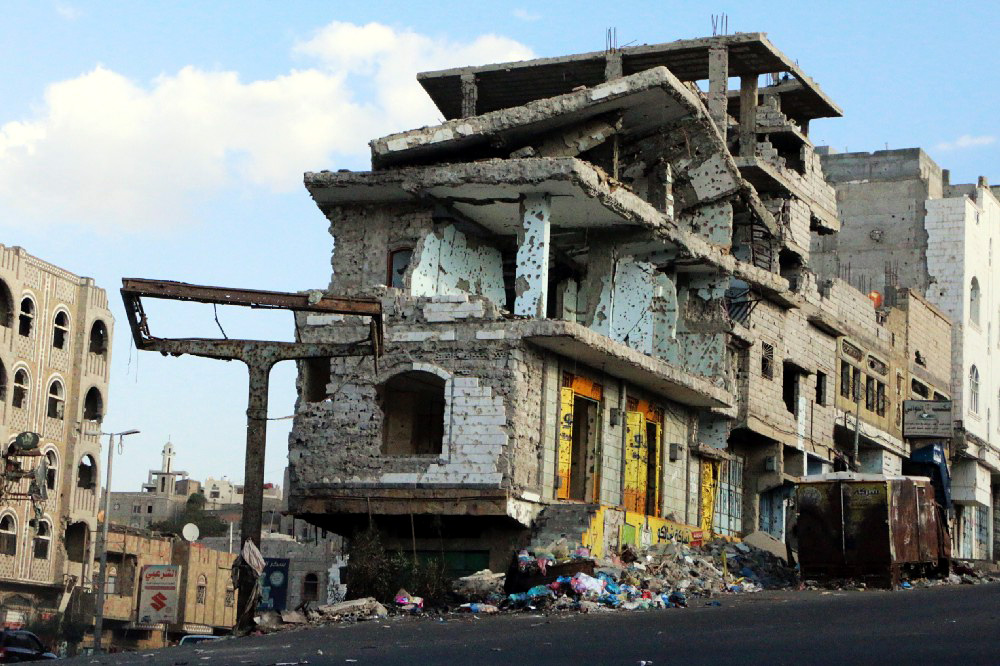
x,y
55,349
906,225
600,316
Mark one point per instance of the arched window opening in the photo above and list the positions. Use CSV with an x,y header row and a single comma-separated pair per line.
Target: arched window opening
x,y
50,473
57,400
202,589
43,536
60,330
27,317
974,299
310,587
98,338
974,390
111,580
413,405
86,473
8,536
6,305
93,405
20,396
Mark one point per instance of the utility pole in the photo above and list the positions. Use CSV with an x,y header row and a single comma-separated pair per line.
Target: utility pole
x,y
857,423
103,544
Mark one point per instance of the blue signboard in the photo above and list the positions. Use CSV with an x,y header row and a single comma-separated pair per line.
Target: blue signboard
x,y
274,584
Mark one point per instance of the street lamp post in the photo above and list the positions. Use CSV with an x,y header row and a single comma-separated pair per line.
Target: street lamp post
x,y
99,611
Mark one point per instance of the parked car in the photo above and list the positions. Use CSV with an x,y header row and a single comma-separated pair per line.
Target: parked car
x,y
18,646
191,639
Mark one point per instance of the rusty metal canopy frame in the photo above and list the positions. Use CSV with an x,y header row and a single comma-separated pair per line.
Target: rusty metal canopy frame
x,y
259,356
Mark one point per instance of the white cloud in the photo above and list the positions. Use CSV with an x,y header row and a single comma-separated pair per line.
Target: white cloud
x,y
111,154
525,15
68,12
967,141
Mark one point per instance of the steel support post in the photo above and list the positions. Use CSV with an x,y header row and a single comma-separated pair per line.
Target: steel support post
x,y
253,481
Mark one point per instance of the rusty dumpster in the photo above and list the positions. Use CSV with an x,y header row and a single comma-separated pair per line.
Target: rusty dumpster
x,y
868,526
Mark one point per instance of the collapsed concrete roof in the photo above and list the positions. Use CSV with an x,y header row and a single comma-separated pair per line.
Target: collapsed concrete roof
x,y
489,194
633,106
511,84
644,101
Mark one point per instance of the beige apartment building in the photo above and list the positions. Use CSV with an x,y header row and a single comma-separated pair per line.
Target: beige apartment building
x,y
55,349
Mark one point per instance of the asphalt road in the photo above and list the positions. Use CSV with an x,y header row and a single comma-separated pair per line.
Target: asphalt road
x,y
952,624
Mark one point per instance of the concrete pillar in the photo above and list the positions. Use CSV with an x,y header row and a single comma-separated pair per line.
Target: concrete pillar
x,y
531,284
718,86
612,66
748,115
470,95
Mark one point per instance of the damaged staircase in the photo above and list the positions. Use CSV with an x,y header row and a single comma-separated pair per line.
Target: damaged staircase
x,y
562,521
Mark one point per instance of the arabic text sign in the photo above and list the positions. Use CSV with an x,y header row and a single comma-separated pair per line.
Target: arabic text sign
x,y
927,418
158,593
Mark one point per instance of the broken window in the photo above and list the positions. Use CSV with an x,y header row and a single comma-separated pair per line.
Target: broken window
x,y
399,261
57,400
26,318
50,474
8,535
845,379
413,404
60,330
880,399
790,388
920,389
98,338
6,305
20,389
974,298
974,390
869,393
767,360
43,536
820,388
93,405
86,473
202,593
310,587
315,377
75,538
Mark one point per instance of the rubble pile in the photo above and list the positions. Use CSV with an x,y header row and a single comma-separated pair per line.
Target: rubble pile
x,y
663,576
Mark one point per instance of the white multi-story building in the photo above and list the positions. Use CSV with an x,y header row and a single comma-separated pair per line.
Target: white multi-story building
x,y
905,225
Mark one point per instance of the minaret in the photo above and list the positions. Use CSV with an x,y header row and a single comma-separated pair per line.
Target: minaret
x,y
168,458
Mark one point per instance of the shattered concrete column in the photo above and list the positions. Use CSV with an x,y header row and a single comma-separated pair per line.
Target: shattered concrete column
x,y
470,95
594,299
664,309
748,115
718,86
532,277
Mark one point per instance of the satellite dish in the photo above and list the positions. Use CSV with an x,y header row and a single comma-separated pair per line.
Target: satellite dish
x,y
190,532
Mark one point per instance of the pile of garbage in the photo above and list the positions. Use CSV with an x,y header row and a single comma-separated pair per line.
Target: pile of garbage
x,y
666,575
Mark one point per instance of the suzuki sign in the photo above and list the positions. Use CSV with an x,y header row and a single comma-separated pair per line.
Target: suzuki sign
x,y
159,590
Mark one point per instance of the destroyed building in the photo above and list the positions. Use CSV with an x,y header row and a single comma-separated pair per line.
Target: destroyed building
x,y
55,348
907,226
600,316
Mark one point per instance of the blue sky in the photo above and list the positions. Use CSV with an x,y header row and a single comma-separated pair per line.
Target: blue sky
x,y
168,140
